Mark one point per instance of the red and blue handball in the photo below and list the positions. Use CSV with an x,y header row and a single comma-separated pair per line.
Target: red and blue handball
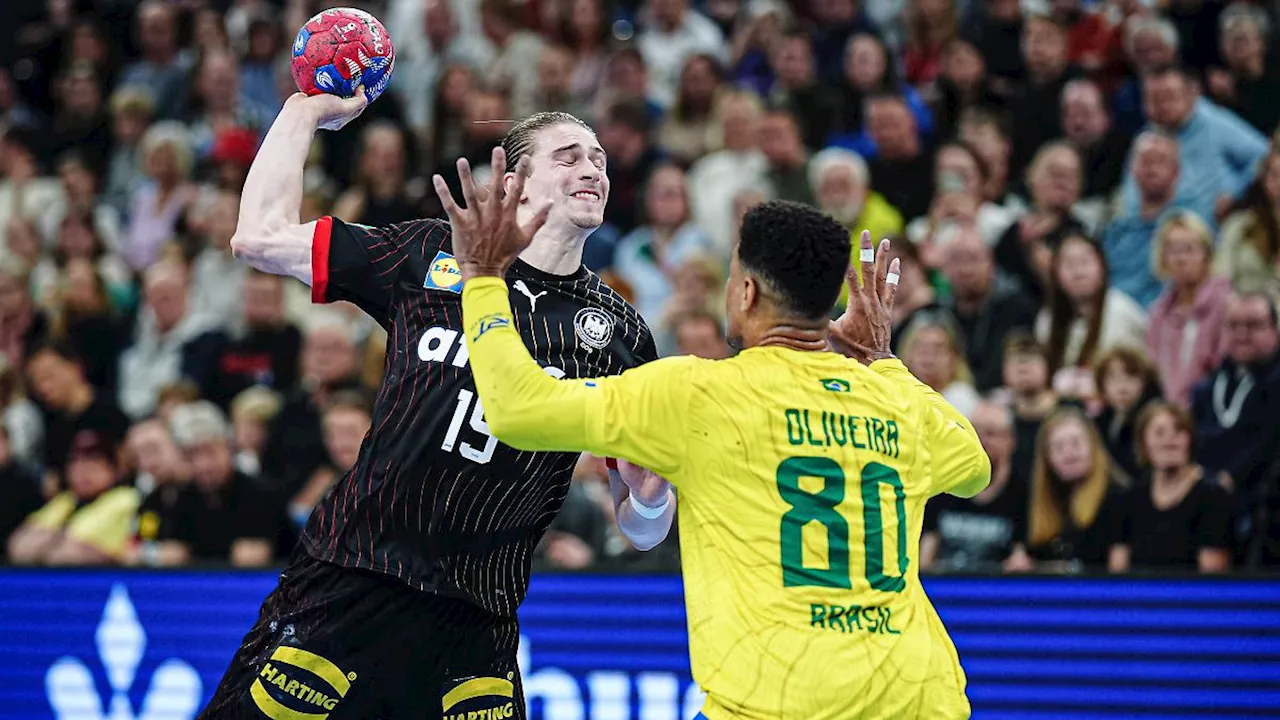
x,y
342,49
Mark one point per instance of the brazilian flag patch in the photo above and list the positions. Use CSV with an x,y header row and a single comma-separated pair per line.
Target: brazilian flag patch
x,y
835,385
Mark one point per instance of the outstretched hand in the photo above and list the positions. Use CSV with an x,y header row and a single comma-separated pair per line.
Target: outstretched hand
x,y
487,238
864,331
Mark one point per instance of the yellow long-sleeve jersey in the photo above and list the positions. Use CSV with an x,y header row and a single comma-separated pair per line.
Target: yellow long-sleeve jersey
x,y
801,481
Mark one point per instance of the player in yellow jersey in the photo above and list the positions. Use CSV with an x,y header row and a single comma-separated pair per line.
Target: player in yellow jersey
x,y
801,475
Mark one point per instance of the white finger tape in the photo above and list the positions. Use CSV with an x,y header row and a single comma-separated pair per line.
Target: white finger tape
x,y
891,278
867,255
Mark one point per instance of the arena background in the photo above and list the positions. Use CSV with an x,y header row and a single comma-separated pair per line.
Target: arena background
x,y
151,645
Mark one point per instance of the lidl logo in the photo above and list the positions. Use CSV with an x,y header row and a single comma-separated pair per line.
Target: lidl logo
x,y
480,698
835,385
444,274
297,683
173,693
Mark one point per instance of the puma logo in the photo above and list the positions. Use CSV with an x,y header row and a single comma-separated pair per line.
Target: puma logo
x,y
533,299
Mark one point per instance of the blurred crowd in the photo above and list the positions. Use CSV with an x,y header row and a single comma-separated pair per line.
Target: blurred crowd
x,y
1085,198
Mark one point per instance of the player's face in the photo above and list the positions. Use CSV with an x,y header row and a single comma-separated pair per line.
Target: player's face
x,y
568,169
1168,446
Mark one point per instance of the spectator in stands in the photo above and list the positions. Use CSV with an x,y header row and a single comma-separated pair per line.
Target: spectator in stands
x,y
697,285
23,325
258,63
217,278
796,88
1092,41
230,157
1086,124
902,170
82,317
1127,382
834,23
985,132
647,258
1219,151
962,83
752,29
252,412
295,445
1178,518
841,186
1248,84
1075,499
700,334
161,478
689,129
79,242
988,307
514,68
1186,334
172,341
671,34
931,349
70,404
555,82
131,110
916,296
1234,408
162,69
931,24
1129,238
869,71
223,515
20,419
1026,249
1026,379
624,135
585,30
1035,102
346,420
20,493
377,196
979,534
996,27
80,121
25,193
258,348
1149,42
81,190
779,141
89,523
1250,251
156,207
1084,316
716,179
1197,24
423,71
626,79
959,167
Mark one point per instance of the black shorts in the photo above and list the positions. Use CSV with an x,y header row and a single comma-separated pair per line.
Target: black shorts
x,y
342,643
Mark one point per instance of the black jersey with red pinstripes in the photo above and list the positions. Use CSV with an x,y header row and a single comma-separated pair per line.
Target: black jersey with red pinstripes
x,y
433,499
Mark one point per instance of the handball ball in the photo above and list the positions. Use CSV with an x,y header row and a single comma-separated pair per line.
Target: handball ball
x,y
342,49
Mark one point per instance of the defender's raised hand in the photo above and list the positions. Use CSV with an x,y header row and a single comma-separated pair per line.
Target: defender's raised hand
x,y
487,238
864,331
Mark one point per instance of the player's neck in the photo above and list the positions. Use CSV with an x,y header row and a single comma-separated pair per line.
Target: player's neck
x,y
790,334
557,251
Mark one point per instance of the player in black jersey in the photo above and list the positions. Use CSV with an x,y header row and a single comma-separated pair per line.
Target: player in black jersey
x,y
401,599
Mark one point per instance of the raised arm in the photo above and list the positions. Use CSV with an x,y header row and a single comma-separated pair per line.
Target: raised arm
x,y
269,235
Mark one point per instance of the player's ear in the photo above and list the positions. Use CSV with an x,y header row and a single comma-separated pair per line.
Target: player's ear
x,y
507,180
750,293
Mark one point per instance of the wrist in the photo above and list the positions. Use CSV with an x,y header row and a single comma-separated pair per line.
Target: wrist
x,y
472,269
651,512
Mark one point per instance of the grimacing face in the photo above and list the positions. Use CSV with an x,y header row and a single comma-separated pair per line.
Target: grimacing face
x,y
568,170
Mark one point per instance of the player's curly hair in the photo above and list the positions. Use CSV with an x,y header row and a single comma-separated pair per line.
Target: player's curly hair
x,y
520,138
800,254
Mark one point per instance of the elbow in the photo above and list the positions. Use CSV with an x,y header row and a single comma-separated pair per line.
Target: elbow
x,y
512,426
245,244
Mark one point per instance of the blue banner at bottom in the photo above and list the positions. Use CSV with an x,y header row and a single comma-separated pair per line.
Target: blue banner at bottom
x,y
99,645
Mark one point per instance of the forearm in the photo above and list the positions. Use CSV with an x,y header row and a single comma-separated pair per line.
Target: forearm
x,y
29,544
268,234
644,533
524,407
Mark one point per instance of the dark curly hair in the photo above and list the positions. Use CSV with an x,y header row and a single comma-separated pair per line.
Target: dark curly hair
x,y
800,254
